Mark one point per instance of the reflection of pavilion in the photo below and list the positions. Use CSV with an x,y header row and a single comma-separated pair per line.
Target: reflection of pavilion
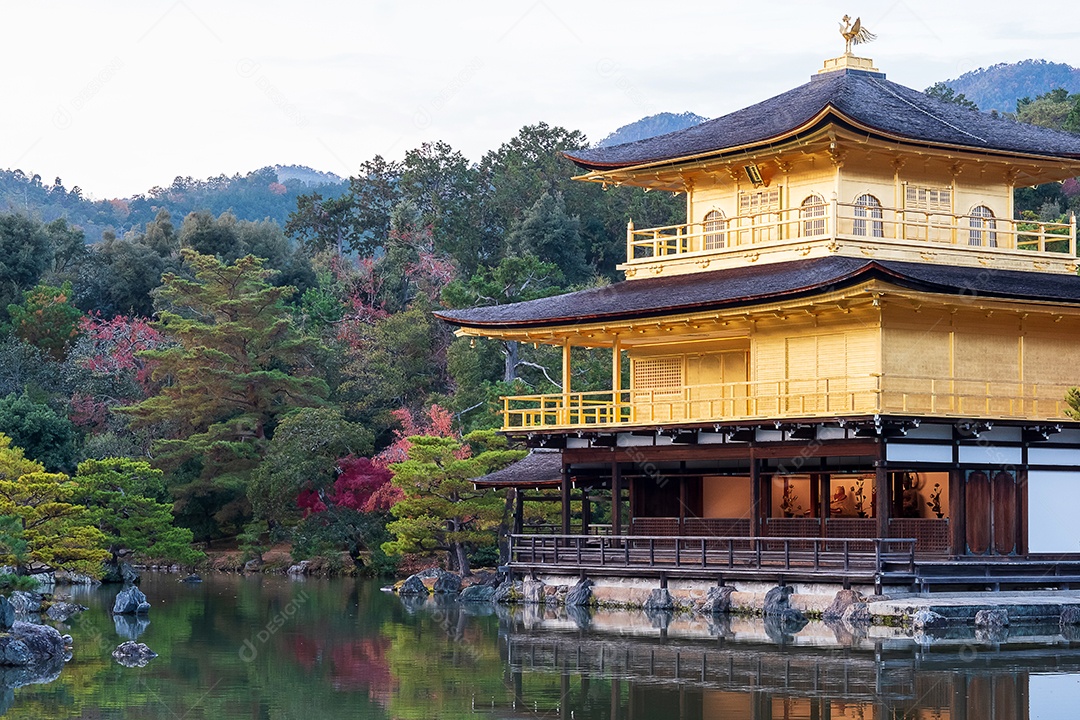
x,y
613,676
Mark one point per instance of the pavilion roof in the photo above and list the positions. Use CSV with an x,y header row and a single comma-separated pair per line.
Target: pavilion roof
x,y
540,468
862,100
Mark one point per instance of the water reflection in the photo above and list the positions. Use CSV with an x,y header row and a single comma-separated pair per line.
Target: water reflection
x,y
271,648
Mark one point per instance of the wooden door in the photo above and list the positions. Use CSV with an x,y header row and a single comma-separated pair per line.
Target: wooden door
x,y
992,523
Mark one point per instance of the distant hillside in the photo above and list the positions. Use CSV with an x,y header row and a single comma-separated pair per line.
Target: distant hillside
x,y
652,126
998,87
270,192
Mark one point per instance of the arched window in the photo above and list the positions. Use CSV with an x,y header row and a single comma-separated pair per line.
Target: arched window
x,y
715,237
868,217
982,227
812,215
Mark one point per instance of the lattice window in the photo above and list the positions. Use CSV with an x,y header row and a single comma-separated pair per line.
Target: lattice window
x,y
759,201
715,237
982,227
812,214
929,199
868,216
659,376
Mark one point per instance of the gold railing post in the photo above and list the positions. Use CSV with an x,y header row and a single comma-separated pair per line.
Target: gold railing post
x,y
834,229
1072,234
630,240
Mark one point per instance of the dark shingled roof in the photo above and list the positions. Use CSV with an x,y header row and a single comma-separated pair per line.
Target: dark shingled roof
x,y
754,284
540,468
867,99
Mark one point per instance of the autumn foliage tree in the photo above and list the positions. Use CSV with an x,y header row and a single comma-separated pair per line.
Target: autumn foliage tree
x,y
46,319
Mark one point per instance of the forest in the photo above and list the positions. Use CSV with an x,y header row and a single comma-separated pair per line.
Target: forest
x,y
204,381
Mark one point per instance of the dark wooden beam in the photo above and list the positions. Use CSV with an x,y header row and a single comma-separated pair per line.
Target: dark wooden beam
x,y
957,512
883,497
565,487
519,510
616,500
755,496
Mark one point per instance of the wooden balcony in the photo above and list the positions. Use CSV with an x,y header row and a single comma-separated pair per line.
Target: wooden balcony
x,y
794,399
891,233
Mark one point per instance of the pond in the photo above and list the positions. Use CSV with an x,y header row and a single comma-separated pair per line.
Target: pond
x,y
276,648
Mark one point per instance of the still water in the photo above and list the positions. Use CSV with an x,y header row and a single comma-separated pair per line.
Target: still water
x,y
267,647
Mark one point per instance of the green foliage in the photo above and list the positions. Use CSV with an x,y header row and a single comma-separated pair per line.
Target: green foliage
x,y
126,502
53,530
46,319
1057,110
40,431
362,535
26,252
941,91
239,364
546,231
442,510
303,454
1072,399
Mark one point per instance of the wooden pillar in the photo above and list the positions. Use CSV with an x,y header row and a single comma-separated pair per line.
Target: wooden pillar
x,y
519,510
586,511
825,493
957,512
616,499
566,381
682,503
616,379
565,487
755,496
882,502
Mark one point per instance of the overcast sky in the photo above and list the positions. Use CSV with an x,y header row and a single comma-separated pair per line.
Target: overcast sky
x,y
117,97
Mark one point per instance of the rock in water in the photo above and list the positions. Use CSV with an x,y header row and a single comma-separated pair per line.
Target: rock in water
x,y
843,600
659,600
717,601
29,644
7,614
25,602
447,584
477,593
992,619
192,578
133,654
509,592
924,620
413,585
62,611
130,601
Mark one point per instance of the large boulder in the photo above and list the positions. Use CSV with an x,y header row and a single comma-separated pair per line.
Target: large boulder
x,y
533,592
659,600
121,572
30,644
133,654
26,603
927,620
413,585
581,594
447,584
992,619
717,601
777,607
857,614
62,611
1070,615
130,601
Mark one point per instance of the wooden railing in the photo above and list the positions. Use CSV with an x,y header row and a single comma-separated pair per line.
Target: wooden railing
x,y
849,221
794,554
774,399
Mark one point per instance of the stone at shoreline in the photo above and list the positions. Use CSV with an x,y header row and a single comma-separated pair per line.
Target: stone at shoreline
x,y
924,620
533,592
717,601
70,578
857,614
122,572
29,644
580,595
7,614
1070,615
477,593
659,600
26,602
447,584
254,565
300,568
777,606
992,619
133,654
413,585
62,611
843,600
130,601
509,592
192,579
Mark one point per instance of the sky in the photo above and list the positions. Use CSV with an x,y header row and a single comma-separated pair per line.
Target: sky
x,y
118,97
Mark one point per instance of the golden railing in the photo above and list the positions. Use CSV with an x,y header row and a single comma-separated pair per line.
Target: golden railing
x,y
774,399
849,221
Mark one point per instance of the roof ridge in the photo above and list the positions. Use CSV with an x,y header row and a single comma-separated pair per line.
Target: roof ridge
x,y
941,120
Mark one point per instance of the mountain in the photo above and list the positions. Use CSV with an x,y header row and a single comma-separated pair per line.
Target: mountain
x,y
998,87
651,126
306,175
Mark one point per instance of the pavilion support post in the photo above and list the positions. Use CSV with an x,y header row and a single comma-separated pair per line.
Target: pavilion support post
x,y
586,511
882,504
755,496
616,380
565,487
958,512
519,510
616,499
566,382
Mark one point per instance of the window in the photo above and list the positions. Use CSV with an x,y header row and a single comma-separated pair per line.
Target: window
x,y
658,377
759,201
715,237
812,215
868,216
982,227
930,199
